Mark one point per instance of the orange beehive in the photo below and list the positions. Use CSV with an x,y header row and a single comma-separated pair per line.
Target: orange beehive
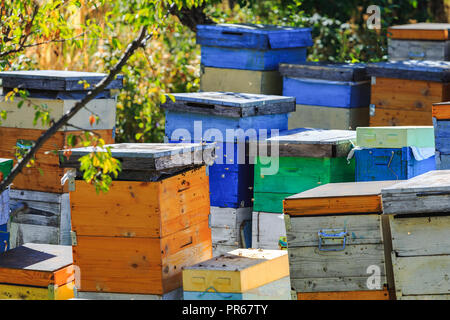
x,y
137,237
37,272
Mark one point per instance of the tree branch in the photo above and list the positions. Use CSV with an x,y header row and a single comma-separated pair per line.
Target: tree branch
x,y
138,42
191,17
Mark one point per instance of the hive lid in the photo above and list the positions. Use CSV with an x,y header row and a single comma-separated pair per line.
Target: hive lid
x,y
395,137
229,104
253,36
430,182
353,72
420,31
313,143
37,257
338,198
55,80
438,71
140,161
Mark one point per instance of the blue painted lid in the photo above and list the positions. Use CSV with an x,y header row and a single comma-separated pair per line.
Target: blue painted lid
x,y
253,36
55,80
326,71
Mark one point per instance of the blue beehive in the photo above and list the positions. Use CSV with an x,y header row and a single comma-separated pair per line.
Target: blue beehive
x,y
215,117
252,47
378,164
4,238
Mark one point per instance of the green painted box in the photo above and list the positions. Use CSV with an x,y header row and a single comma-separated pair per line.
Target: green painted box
x,y
307,158
5,167
395,137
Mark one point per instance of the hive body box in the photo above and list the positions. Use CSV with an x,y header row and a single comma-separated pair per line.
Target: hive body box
x,y
420,223
152,222
441,123
337,239
403,92
209,116
307,158
57,92
5,170
242,274
328,96
37,272
394,153
419,41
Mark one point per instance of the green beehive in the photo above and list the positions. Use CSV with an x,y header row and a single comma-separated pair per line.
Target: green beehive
x,y
307,158
6,166
395,137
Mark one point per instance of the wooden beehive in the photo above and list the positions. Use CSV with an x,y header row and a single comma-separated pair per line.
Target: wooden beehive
x,y
441,123
394,153
403,92
252,47
5,170
419,41
242,274
337,240
418,210
229,119
136,238
328,95
57,92
37,272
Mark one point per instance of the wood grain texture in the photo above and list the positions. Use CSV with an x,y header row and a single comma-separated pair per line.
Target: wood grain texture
x,y
226,224
441,111
400,49
31,178
267,228
339,284
422,31
141,209
345,295
151,265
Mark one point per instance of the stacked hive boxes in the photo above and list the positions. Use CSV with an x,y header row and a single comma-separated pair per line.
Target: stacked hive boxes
x,y
242,274
419,41
441,123
231,120
245,58
338,243
5,170
403,92
328,96
394,153
307,158
47,218
132,242
420,224
37,272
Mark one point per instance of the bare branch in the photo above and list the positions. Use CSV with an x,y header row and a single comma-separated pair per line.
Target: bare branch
x,y
138,42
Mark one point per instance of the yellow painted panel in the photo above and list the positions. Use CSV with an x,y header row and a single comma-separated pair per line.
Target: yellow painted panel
x,y
23,117
237,271
235,80
65,292
14,292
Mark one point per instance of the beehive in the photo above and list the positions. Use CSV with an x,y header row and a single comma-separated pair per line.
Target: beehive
x,y
37,272
403,92
418,211
151,223
328,95
242,274
419,41
5,170
394,153
338,242
441,124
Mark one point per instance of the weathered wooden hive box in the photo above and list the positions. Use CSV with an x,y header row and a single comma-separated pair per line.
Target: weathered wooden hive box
x,y
403,92
245,57
418,211
328,95
231,120
394,153
241,274
37,272
306,159
419,41
5,170
338,242
136,238
441,124
45,213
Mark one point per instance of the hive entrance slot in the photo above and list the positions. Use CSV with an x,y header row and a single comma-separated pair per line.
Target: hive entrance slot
x,y
234,33
200,105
